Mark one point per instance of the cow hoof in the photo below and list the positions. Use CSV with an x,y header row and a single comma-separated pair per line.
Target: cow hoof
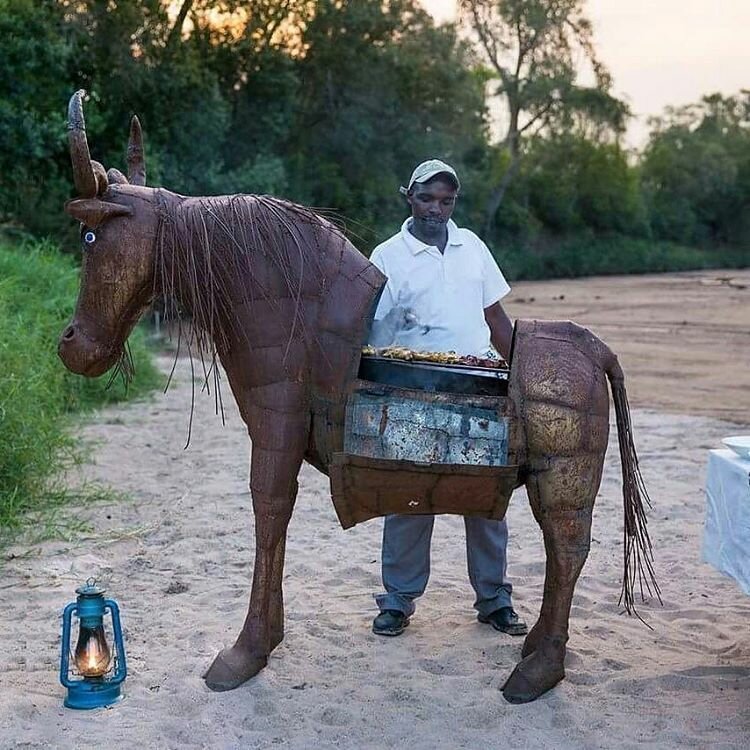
x,y
231,668
532,677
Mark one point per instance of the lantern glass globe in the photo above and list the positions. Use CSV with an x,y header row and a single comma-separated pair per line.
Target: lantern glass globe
x,y
92,655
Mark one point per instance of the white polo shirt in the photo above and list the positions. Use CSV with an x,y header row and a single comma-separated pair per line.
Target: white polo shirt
x,y
448,291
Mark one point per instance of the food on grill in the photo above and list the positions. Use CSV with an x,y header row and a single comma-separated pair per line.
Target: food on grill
x,y
499,363
442,358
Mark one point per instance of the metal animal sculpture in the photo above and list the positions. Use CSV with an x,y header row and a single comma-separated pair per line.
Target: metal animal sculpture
x,y
284,301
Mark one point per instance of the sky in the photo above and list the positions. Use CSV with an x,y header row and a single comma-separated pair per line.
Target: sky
x,y
663,52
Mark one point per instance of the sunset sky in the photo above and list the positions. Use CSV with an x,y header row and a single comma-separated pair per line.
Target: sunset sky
x,y
663,52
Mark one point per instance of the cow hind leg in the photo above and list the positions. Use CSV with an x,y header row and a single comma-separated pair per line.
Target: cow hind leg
x,y
562,499
274,489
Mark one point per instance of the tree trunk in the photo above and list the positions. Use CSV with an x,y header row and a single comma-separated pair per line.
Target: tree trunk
x,y
498,193
176,31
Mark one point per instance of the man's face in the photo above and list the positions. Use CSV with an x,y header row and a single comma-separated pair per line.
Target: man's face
x,y
432,204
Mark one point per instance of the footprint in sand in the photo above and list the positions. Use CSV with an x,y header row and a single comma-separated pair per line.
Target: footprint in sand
x,y
726,672
333,716
561,721
433,666
579,677
402,695
265,707
614,664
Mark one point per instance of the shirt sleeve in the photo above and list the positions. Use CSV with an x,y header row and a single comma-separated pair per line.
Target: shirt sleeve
x,y
494,285
388,297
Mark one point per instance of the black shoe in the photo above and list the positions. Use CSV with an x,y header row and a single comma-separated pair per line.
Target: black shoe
x,y
505,620
390,622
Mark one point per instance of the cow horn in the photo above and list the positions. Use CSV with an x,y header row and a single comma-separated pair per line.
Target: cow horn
x,y
83,171
135,156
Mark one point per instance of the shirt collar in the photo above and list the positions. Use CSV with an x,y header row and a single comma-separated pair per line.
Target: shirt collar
x,y
417,246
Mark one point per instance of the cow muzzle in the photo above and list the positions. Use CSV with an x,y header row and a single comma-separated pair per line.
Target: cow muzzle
x,y
82,354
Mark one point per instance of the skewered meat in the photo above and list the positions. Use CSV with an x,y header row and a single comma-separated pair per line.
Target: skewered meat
x,y
444,358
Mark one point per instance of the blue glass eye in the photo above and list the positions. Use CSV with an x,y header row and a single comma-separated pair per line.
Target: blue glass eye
x,y
89,237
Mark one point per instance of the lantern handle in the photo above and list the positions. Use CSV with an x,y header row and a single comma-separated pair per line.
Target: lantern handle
x,y
65,652
122,668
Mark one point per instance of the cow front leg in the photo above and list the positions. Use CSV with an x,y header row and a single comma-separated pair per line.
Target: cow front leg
x,y
276,610
567,538
274,488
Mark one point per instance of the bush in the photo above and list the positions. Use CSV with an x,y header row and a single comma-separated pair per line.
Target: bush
x,y
590,255
37,394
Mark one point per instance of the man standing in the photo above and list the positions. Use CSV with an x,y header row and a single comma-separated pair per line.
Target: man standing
x,y
445,278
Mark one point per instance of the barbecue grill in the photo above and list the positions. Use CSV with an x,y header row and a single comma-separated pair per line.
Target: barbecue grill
x,y
434,376
425,437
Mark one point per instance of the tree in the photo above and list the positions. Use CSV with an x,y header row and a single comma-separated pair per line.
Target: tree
x,y
695,171
532,48
381,88
35,55
576,185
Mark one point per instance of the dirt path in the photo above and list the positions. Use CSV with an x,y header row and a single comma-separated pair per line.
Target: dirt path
x,y
178,557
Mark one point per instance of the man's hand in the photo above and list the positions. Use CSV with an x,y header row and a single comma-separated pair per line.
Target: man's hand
x,y
383,332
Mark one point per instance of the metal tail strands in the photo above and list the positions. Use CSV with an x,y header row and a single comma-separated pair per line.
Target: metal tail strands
x,y
638,556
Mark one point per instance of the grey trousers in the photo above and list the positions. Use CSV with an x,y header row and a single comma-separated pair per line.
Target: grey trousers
x,y
406,562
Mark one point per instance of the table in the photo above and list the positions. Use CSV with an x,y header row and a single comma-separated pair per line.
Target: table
x,y
726,538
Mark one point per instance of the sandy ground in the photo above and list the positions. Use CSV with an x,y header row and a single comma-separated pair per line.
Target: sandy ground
x,y
178,557
682,339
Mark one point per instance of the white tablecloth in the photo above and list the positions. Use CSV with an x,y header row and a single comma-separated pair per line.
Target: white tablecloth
x,y
726,539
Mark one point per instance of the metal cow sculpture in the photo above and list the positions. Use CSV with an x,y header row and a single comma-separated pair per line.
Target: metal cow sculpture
x,y
284,301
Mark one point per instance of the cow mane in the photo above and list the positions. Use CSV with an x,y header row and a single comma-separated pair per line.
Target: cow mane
x,y
204,243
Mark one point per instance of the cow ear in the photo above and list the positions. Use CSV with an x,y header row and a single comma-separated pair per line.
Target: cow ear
x,y
92,211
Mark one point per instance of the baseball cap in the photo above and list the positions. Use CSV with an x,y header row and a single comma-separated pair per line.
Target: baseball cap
x,y
429,169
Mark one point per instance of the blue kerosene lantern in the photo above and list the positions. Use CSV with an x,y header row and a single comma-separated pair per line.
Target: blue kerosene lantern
x,y
99,684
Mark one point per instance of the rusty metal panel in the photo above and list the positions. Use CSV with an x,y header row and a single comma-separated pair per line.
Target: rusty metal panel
x,y
399,425
416,452
365,488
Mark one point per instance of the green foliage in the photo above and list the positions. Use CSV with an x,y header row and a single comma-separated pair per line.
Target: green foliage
x,y
405,92
534,49
332,104
573,183
696,172
35,52
37,395
589,255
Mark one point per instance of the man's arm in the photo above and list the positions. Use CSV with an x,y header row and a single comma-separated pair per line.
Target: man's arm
x,y
501,328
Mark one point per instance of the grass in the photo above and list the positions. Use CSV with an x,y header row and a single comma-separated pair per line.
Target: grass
x,y
39,398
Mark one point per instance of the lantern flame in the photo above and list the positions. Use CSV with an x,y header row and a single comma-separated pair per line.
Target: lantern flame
x,y
92,656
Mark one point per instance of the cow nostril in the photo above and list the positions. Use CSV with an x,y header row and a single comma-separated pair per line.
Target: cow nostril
x,y
69,333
